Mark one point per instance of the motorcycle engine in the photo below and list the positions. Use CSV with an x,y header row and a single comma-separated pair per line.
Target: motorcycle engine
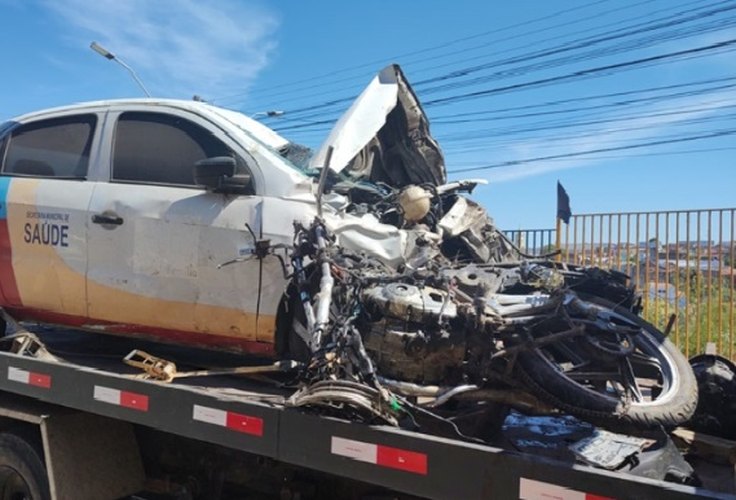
x,y
409,338
411,303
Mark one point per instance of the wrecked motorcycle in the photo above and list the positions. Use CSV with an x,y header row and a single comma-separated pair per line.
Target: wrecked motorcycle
x,y
468,319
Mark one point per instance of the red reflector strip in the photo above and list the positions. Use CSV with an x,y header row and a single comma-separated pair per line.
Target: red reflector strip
x,y
30,378
228,419
117,397
40,380
397,458
383,456
530,489
244,423
134,400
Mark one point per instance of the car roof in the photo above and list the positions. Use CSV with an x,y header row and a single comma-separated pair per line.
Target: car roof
x,y
237,118
153,102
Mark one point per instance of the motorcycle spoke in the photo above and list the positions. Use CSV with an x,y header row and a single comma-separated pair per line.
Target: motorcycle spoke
x,y
571,356
617,388
642,359
603,376
628,379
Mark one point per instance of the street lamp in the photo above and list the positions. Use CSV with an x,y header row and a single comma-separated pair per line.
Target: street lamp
x,y
272,113
109,55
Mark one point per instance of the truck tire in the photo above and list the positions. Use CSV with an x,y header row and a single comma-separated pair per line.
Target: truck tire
x,y
22,471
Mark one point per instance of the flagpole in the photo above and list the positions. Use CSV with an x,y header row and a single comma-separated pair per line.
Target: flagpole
x,y
558,239
563,214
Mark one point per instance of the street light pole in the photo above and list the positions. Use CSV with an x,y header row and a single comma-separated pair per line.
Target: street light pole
x,y
112,57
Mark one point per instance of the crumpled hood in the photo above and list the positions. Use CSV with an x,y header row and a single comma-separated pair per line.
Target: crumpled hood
x,y
384,137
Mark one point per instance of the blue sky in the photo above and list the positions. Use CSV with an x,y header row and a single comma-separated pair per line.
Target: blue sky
x,y
291,55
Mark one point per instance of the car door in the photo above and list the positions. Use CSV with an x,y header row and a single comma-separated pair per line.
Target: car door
x,y
156,239
43,224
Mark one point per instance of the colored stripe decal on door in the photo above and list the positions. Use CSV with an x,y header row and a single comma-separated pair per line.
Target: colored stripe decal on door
x,y
4,187
8,285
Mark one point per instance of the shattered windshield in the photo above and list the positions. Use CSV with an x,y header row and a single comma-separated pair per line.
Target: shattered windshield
x,y
298,155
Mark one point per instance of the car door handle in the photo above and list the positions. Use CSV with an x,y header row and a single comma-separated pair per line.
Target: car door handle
x,y
107,219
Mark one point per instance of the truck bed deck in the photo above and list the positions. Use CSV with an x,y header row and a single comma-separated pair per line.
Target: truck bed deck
x,y
248,414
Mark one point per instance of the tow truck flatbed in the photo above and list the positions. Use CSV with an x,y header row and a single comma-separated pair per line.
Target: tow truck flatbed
x,y
247,416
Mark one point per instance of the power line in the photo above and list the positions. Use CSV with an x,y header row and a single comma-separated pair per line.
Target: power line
x,y
627,31
554,140
580,74
600,135
599,53
542,126
585,72
574,76
575,154
466,134
640,155
410,64
615,104
629,37
557,102
608,36
435,121
455,41
525,35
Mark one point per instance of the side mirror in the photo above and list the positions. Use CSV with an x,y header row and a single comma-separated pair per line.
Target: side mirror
x,y
218,175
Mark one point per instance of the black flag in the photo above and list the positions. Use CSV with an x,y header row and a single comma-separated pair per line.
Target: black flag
x,y
563,204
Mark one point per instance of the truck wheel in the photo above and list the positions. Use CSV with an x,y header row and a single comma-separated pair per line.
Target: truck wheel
x,y
22,471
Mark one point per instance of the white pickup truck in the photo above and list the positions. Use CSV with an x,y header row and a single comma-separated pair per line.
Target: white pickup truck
x,y
106,224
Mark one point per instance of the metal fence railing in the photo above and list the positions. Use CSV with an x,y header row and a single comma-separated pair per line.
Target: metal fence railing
x,y
683,261
533,241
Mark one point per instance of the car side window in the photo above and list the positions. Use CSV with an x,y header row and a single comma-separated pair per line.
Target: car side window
x,y
158,148
55,148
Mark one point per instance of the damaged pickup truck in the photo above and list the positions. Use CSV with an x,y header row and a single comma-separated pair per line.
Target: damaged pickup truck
x,y
187,223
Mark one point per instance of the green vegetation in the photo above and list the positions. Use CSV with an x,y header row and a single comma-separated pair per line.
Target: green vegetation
x,y
706,312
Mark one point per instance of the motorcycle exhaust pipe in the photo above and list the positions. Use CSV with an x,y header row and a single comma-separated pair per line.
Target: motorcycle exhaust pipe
x,y
440,394
516,399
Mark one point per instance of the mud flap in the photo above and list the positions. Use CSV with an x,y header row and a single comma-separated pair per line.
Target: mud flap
x,y
89,457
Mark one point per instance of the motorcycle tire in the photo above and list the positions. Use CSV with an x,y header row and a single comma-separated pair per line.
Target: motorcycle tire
x,y
543,371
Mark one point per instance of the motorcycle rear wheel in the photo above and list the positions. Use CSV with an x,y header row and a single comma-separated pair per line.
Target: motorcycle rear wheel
x,y
652,386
